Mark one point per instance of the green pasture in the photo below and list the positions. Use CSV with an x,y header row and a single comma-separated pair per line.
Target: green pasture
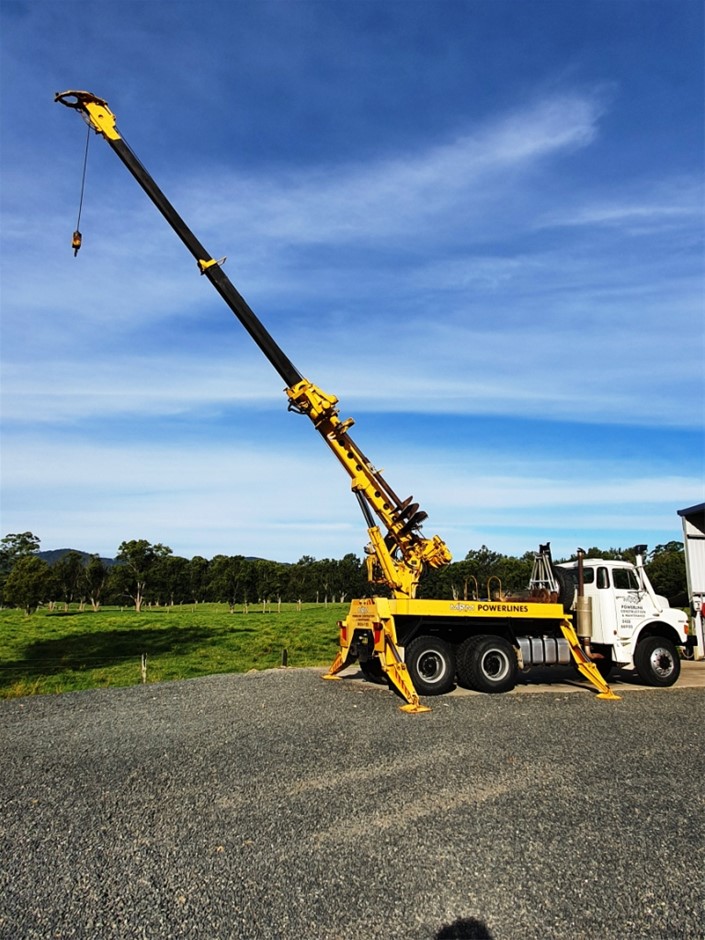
x,y
66,650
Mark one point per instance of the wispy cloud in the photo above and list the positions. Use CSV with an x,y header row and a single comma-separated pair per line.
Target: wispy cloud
x,y
401,195
204,497
384,242
660,206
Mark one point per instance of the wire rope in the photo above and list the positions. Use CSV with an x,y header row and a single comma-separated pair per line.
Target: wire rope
x,y
77,237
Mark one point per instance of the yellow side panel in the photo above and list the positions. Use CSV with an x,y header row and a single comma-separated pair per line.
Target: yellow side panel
x,y
519,610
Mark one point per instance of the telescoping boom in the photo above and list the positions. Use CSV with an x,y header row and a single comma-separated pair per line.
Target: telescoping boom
x,y
416,644
400,555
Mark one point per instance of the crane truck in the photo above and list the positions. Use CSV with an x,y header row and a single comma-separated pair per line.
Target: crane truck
x,y
422,646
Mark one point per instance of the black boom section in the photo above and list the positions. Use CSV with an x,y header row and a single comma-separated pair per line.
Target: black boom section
x,y
215,274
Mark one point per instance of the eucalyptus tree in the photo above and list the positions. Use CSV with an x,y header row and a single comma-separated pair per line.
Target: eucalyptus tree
x,y
198,578
95,579
350,578
136,562
13,546
227,579
28,583
302,578
68,576
171,583
666,570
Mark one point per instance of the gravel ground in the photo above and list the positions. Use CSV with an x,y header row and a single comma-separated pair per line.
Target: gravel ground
x,y
275,805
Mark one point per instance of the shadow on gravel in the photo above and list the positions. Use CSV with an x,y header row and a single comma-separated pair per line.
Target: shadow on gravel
x,y
568,675
96,650
464,929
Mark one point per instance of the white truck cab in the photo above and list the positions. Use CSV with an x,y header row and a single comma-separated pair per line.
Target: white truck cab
x,y
623,622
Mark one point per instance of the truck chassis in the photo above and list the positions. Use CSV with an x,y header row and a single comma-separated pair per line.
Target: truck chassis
x,y
484,642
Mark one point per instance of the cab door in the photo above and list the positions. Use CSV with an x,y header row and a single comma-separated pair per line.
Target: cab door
x,y
629,601
602,606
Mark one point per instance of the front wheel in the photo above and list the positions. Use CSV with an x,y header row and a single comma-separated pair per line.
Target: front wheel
x,y
656,661
605,665
431,665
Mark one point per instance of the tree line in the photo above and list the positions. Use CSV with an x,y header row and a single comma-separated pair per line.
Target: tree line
x,y
151,574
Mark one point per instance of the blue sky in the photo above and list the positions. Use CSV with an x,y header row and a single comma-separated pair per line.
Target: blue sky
x,y
479,224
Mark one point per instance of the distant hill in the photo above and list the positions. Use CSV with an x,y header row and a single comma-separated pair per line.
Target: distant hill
x,y
56,554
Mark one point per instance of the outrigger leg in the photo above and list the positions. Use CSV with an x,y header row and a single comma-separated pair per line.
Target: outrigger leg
x,y
393,666
398,674
586,666
344,658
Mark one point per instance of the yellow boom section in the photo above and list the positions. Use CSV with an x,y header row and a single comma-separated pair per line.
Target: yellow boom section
x,y
399,557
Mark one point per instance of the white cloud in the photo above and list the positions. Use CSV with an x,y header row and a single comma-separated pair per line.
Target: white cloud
x,y
400,197
457,279
602,374
658,206
248,497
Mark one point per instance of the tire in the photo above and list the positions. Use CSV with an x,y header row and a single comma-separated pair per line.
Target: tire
x,y
489,664
656,661
605,665
373,672
463,658
566,588
431,665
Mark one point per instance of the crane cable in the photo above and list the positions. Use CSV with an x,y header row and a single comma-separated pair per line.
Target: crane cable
x,y
77,237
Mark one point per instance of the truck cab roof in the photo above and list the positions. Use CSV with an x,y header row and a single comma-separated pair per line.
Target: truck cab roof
x,y
606,562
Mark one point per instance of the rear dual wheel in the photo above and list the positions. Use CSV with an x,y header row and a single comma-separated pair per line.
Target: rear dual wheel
x,y
431,664
487,664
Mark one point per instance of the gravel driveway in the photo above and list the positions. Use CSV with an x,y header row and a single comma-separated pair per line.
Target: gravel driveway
x,y
275,805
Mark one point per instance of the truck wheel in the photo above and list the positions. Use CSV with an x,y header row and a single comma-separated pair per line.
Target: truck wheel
x,y
489,664
463,658
605,665
431,665
656,661
373,672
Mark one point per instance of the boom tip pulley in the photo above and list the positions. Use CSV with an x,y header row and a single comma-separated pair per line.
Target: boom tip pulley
x,y
78,99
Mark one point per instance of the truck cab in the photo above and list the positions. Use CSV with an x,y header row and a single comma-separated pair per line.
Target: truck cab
x,y
623,621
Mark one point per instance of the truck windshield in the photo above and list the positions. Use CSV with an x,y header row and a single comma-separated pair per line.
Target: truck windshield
x,y
625,579
588,575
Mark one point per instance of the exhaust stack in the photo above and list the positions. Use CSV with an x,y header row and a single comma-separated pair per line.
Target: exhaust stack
x,y
583,609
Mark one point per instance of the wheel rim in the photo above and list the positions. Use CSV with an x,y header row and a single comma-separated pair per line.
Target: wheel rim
x,y
495,665
661,662
431,666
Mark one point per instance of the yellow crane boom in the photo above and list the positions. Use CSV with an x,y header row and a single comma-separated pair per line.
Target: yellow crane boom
x,y
398,553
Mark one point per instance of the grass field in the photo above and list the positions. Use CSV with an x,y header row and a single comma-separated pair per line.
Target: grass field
x,y
61,651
